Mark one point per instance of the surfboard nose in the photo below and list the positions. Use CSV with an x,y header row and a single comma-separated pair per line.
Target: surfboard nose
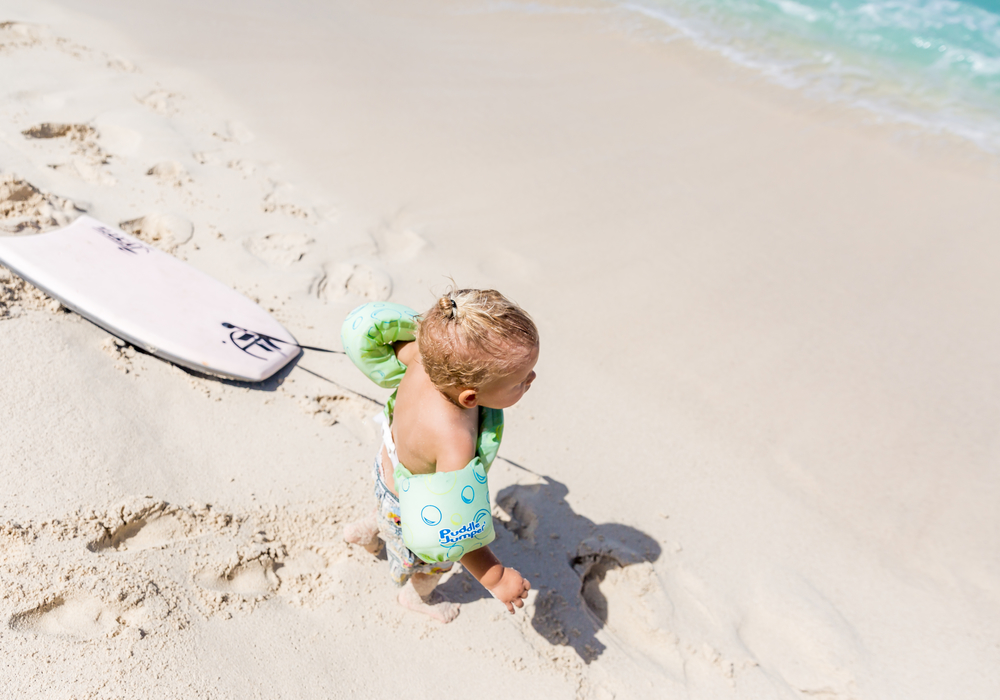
x,y
153,300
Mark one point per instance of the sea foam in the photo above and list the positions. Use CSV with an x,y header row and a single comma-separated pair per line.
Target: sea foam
x,y
931,63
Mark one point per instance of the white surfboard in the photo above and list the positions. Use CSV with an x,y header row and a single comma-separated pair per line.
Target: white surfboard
x,y
152,300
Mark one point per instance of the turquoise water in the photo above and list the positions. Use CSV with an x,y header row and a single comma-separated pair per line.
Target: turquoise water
x,y
934,63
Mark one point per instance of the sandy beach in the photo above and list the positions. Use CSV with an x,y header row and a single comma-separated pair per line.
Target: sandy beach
x,y
760,457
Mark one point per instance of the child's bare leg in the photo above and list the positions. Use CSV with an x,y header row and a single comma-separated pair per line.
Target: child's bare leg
x,y
419,595
364,532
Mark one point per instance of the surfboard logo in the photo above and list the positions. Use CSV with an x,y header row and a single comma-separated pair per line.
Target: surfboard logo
x,y
123,243
252,343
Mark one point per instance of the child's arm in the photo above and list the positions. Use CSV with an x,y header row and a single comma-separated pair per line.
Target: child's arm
x,y
506,584
406,351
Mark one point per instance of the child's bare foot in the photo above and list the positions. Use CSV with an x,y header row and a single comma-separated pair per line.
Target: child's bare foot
x,y
364,532
419,596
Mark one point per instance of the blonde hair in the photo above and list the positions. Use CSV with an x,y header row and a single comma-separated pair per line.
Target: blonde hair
x,y
471,336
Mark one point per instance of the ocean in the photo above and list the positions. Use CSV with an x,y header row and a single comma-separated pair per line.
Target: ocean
x,y
930,63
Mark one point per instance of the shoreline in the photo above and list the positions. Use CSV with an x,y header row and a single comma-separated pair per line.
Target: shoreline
x,y
881,99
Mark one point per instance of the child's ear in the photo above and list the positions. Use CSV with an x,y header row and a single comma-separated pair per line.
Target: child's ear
x,y
468,398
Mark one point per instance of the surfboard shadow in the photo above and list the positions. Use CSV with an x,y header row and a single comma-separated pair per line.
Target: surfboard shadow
x,y
270,384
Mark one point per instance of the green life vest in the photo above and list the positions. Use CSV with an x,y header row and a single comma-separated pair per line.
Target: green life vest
x,y
444,515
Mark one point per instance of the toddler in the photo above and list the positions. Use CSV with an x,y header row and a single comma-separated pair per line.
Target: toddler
x,y
474,349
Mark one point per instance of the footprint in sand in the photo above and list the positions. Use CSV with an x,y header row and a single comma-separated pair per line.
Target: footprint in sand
x,y
157,525
282,249
243,167
121,64
337,409
331,409
245,575
208,157
160,101
170,173
520,512
607,569
609,583
594,561
278,201
49,130
87,157
86,171
304,577
307,563
354,281
397,241
22,34
26,209
620,588
165,231
77,617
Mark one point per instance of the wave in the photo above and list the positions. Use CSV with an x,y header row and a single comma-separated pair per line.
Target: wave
x,y
931,63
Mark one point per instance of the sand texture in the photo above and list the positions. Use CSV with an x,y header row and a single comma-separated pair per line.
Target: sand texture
x,y
760,457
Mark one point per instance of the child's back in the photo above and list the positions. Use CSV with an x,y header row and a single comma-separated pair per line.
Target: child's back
x,y
431,432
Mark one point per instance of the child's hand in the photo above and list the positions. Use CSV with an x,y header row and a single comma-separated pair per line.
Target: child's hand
x,y
512,589
506,585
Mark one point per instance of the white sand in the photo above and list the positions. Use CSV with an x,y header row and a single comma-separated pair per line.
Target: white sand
x,y
760,458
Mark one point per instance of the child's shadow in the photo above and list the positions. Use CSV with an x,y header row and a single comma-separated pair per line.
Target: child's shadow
x,y
566,557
